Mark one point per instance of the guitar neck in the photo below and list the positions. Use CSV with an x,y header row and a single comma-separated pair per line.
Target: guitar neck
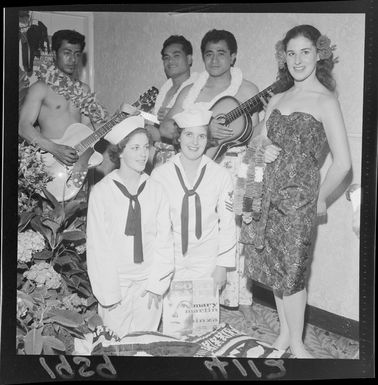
x,y
99,133
248,106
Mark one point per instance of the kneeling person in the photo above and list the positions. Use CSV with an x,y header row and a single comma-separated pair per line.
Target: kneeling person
x,y
129,242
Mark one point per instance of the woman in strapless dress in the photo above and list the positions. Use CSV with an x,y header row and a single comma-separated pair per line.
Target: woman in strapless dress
x,y
298,123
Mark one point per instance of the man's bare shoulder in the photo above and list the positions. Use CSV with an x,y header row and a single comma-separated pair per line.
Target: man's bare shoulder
x,y
186,89
39,87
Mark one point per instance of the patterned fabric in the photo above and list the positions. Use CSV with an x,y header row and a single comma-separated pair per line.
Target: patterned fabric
x,y
235,292
224,341
72,90
163,152
278,244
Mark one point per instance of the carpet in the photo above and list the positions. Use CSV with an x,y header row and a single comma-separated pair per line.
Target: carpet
x,y
262,324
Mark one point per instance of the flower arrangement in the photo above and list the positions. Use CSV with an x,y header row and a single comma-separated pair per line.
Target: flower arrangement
x,y
32,176
29,242
43,274
55,302
323,44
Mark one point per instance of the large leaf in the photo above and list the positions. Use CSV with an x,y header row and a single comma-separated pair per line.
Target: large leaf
x,y
75,235
67,318
71,208
65,259
50,342
51,224
24,220
26,298
81,289
52,303
44,254
72,272
91,300
77,332
75,281
58,208
37,225
94,321
33,341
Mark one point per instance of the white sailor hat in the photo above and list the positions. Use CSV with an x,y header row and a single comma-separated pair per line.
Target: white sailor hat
x,y
126,127
193,117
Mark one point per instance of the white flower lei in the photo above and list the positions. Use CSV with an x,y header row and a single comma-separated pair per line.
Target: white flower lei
x,y
236,81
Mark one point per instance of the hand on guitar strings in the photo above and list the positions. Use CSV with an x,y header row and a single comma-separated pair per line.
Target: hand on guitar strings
x,y
265,100
218,129
64,154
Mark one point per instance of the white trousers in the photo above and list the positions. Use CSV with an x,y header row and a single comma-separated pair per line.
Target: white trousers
x,y
132,314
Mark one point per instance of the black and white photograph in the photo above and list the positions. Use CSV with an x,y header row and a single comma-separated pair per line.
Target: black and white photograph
x,y
194,192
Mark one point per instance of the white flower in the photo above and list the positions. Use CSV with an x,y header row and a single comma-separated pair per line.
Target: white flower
x,y
44,274
259,174
29,242
243,169
81,248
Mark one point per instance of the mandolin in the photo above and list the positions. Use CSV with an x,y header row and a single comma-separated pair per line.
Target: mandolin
x,y
238,118
68,180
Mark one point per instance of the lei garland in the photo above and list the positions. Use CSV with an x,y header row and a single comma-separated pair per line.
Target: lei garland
x,y
74,91
250,182
323,45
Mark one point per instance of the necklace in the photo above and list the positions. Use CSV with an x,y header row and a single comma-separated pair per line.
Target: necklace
x,y
74,91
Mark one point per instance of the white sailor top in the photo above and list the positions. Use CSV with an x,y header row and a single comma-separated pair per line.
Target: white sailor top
x,y
110,252
217,243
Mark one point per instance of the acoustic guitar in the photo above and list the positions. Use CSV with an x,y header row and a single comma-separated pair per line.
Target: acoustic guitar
x,y
68,180
238,118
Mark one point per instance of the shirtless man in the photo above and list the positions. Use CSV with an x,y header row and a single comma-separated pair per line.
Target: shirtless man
x,y
50,106
177,59
219,50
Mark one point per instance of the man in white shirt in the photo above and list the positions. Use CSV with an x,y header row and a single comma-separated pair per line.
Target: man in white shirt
x,y
177,59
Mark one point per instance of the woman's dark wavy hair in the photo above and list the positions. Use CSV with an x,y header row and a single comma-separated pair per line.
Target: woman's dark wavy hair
x,y
211,142
323,66
115,150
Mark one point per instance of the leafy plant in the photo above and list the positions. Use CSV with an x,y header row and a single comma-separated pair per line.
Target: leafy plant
x,y
55,302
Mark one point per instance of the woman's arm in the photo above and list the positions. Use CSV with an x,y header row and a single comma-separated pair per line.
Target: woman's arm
x,y
334,127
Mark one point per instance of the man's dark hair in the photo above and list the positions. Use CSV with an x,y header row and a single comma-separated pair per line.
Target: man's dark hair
x,y
216,35
178,39
72,37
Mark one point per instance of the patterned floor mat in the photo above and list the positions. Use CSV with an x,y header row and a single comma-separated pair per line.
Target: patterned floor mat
x,y
262,324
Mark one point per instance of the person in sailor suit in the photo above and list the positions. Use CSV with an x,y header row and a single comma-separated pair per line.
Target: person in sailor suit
x,y
129,240
200,193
